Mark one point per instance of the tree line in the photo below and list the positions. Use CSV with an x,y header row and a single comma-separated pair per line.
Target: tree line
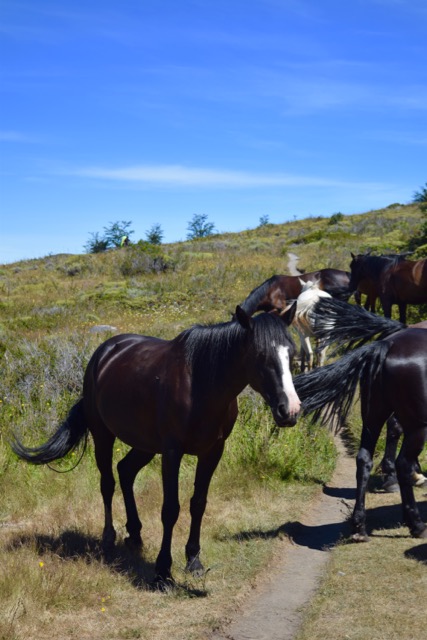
x,y
116,234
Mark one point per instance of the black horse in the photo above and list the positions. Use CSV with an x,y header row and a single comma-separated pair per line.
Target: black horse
x,y
174,397
392,372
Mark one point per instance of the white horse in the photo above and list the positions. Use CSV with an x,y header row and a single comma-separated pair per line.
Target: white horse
x,y
310,294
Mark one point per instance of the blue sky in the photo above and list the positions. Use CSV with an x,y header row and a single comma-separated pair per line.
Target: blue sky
x,y
152,111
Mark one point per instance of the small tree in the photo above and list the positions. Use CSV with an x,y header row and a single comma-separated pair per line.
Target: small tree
x,y
115,232
155,234
264,221
199,227
95,244
421,195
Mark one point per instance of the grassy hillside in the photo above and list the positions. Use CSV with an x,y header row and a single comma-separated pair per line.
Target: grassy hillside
x,y
54,311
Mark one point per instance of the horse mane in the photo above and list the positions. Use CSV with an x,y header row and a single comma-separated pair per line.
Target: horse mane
x,y
209,348
379,264
253,299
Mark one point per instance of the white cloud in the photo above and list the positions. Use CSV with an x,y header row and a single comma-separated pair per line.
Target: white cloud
x,y
16,136
178,175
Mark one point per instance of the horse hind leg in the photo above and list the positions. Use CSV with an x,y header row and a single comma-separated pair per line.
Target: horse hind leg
x,y
364,464
405,464
104,459
128,469
388,463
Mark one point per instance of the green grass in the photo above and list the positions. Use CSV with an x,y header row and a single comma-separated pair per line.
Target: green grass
x,y
267,476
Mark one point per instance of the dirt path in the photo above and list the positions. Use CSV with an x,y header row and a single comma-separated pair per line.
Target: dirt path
x,y
292,264
275,610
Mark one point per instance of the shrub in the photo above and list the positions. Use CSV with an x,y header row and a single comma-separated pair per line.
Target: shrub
x,y
142,258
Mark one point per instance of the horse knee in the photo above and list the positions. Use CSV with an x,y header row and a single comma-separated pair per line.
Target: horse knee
x,y
170,513
197,507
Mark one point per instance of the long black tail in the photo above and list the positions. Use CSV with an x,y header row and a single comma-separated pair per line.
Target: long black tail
x,y
328,392
343,323
66,438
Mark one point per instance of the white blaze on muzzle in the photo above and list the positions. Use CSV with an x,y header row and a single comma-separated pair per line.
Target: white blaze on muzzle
x,y
288,385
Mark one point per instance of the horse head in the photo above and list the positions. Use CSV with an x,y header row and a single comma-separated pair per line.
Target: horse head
x,y
269,350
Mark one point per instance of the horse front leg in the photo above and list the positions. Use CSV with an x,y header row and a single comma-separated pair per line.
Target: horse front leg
x,y
412,446
206,466
171,462
128,469
402,312
321,353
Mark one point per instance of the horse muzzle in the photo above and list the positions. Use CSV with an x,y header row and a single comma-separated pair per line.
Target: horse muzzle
x,y
284,417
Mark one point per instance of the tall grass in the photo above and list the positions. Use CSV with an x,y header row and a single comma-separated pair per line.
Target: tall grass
x,y
54,583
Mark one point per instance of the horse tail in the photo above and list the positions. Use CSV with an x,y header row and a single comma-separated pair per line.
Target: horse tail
x,y
340,322
339,292
65,439
328,392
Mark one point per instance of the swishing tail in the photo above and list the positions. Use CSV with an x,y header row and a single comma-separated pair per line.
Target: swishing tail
x,y
66,438
340,322
328,392
339,293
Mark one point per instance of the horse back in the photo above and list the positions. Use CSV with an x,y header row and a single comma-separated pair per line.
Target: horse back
x,y
134,385
406,281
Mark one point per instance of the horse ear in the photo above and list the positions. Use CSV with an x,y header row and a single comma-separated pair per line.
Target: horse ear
x,y
243,318
289,313
352,255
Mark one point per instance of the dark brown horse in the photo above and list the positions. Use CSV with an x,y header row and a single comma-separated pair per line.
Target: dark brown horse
x,y
174,397
392,372
274,293
393,279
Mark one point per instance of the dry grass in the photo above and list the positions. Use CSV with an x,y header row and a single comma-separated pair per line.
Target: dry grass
x,y
375,590
55,584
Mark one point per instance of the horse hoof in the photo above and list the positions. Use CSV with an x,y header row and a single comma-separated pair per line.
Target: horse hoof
x,y
133,544
195,567
162,584
420,533
418,480
390,486
360,537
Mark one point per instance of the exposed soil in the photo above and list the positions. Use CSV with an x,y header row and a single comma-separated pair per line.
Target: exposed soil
x,y
275,609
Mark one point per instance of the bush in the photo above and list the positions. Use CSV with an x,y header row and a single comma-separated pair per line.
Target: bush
x,y
335,218
142,258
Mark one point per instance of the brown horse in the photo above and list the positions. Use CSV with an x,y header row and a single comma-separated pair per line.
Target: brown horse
x,y
274,293
392,373
392,278
174,397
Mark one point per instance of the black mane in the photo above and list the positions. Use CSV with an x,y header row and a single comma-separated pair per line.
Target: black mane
x,y
210,348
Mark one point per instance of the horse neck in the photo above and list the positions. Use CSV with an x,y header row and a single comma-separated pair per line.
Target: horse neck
x,y
217,360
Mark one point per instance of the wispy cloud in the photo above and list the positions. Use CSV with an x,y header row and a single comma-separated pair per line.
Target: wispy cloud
x,y
178,175
17,136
